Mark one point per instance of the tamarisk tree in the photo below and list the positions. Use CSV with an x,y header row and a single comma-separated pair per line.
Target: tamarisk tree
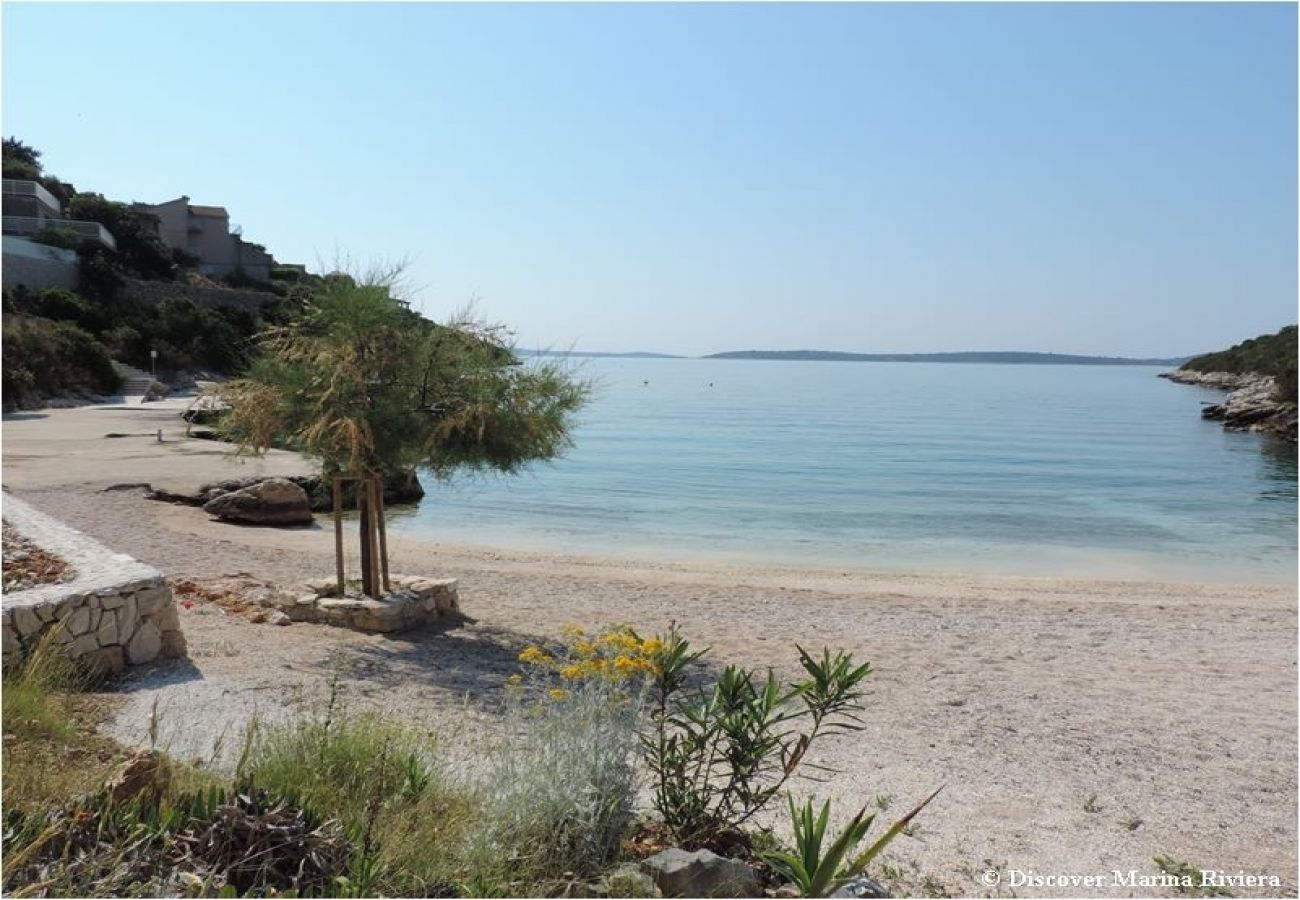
x,y
371,389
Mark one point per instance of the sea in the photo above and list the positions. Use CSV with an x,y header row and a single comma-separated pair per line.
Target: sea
x,y
1036,470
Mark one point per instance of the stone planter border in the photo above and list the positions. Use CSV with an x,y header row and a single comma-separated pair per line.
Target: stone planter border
x,y
116,611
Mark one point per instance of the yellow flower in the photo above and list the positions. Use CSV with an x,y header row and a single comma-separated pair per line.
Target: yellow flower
x,y
558,694
573,631
515,679
652,646
572,672
535,655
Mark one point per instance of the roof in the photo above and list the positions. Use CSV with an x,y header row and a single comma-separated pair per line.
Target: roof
x,y
216,211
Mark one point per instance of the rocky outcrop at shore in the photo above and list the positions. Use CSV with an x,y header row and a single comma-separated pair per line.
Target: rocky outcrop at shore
x,y
275,501
402,488
1252,403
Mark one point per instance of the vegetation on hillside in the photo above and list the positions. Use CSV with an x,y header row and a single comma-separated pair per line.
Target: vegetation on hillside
x,y
44,359
1268,354
188,337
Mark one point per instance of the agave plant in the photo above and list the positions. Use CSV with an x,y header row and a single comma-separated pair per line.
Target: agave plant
x,y
819,873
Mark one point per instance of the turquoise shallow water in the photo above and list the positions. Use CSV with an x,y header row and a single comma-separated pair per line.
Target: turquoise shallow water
x,y
1035,470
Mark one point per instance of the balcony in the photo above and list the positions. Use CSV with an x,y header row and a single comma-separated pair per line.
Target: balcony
x,y
14,187
29,225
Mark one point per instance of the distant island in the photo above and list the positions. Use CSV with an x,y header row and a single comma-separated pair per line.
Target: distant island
x,y
970,356
591,353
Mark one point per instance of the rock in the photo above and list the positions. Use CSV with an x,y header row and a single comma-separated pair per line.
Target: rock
x,y
145,644
1252,403
143,775
151,600
167,618
26,622
78,623
107,660
11,644
173,644
862,886
154,392
403,487
679,873
624,881
274,501
107,633
279,618
82,646
789,889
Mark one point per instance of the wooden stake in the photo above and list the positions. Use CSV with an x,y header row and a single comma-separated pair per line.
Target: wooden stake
x,y
383,532
367,561
338,530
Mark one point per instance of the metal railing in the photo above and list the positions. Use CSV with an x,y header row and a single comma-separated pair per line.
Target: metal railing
x,y
25,225
20,188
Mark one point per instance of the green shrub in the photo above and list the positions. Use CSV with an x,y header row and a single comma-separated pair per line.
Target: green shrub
x,y
719,755
1268,354
64,238
46,359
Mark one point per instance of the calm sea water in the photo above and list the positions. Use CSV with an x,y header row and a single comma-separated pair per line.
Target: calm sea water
x,y
1036,470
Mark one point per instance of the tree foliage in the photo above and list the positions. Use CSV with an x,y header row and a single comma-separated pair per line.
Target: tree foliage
x,y
1268,354
43,359
140,251
364,386
369,388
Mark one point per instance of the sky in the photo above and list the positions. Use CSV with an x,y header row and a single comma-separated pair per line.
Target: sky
x,y
1109,179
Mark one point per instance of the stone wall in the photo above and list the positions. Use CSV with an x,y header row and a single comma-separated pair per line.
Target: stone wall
x,y
38,266
115,611
156,291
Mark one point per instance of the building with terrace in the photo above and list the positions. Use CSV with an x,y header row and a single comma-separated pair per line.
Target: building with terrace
x,y
204,233
30,209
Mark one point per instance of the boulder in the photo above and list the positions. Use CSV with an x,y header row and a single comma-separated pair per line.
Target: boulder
x,y
273,501
404,487
862,887
680,873
154,392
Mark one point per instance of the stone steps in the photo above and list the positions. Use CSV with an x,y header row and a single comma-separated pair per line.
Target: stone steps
x,y
134,381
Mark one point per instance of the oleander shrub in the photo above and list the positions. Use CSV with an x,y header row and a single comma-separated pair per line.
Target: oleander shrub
x,y
719,754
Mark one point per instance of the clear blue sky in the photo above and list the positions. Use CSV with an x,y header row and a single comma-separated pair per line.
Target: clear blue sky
x,y
1092,179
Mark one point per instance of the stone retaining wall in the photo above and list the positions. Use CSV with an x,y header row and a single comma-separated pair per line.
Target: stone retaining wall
x,y
157,291
115,612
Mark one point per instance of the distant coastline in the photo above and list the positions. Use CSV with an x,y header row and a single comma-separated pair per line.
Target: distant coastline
x,y
970,356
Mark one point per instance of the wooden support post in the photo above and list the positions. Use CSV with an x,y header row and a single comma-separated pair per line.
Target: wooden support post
x,y
337,487
383,532
367,559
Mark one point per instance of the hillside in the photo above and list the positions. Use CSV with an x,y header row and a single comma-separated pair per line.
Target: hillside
x,y
973,356
1268,354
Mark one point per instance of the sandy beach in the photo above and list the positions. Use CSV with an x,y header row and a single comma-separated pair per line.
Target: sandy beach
x,y
1079,727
